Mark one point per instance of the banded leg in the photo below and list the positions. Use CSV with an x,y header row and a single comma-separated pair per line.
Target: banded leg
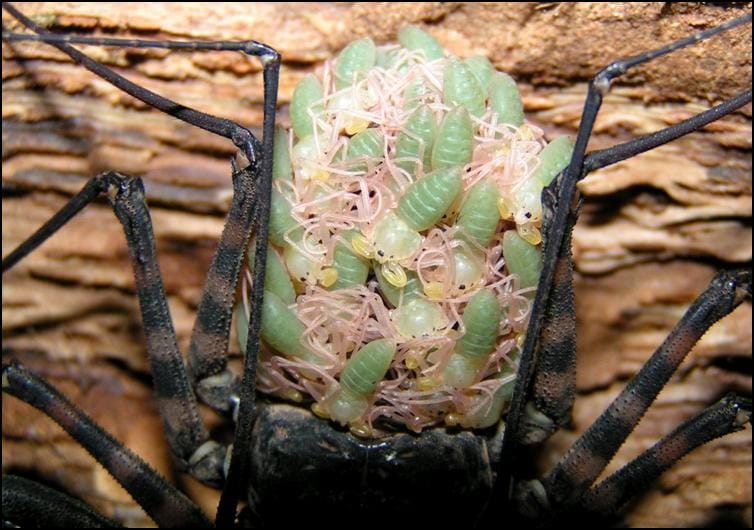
x,y
554,385
209,342
214,383
161,500
590,454
208,350
184,429
207,355
550,334
728,415
241,449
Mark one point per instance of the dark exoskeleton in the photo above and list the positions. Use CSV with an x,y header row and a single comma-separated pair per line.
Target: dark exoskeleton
x,y
291,464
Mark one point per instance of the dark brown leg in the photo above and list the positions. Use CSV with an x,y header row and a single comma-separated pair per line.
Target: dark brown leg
x,y
554,382
184,429
591,453
209,342
728,415
208,350
161,500
545,387
28,504
550,339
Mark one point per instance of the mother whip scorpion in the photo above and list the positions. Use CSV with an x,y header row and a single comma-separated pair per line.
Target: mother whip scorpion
x,y
290,466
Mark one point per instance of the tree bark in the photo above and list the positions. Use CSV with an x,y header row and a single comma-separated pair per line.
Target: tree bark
x,y
652,232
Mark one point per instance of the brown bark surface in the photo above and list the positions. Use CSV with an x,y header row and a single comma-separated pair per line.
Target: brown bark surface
x,y
652,232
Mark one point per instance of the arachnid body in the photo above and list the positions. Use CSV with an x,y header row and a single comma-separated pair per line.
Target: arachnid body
x,y
632,250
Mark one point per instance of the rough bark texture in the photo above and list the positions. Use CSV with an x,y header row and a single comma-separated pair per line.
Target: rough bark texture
x,y
652,232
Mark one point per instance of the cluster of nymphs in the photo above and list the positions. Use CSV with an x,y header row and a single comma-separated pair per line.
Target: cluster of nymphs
x,y
404,239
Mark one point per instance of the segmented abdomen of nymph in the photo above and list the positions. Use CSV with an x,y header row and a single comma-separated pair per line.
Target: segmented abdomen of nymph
x,y
404,239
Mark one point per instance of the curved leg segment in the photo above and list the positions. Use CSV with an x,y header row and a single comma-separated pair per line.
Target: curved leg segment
x,y
209,342
239,135
29,504
728,415
186,434
546,382
161,500
249,210
591,453
561,213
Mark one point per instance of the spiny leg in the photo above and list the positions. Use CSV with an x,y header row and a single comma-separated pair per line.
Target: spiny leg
x,y
590,454
238,468
550,333
161,500
207,355
728,415
207,359
30,504
554,382
184,429
554,378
